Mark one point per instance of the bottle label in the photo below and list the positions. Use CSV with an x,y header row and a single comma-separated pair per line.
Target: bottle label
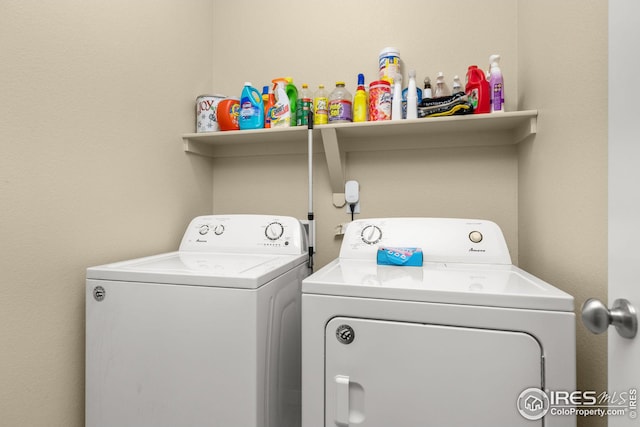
x,y
497,97
389,66
340,110
247,111
280,115
360,107
473,97
321,111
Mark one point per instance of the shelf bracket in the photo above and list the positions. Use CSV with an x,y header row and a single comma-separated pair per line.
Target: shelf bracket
x,y
529,127
335,162
194,147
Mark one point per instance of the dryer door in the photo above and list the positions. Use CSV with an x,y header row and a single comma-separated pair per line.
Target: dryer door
x,y
381,374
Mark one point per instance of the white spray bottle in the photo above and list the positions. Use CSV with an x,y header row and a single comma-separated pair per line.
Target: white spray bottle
x,y
412,96
496,85
396,101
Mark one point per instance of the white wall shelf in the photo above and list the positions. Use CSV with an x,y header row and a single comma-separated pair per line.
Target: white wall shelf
x,y
337,139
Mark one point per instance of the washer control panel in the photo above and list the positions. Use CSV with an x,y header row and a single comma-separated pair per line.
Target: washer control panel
x,y
245,233
441,239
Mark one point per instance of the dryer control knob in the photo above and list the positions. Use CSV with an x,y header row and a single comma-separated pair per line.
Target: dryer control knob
x,y
204,229
218,229
475,236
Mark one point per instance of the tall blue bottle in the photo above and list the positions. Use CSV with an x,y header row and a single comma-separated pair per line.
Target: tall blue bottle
x,y
251,108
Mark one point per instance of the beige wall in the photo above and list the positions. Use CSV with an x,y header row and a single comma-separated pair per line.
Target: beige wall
x,y
548,194
562,182
94,97
342,40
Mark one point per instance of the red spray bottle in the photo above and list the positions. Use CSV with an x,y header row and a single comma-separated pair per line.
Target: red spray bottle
x,y
477,89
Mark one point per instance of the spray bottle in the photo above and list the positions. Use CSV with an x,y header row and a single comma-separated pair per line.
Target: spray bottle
x,y
496,85
280,113
269,99
412,96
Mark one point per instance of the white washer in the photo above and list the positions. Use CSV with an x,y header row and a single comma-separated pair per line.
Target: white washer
x,y
452,343
205,336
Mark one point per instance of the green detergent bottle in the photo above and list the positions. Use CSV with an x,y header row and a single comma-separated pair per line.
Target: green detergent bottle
x,y
292,93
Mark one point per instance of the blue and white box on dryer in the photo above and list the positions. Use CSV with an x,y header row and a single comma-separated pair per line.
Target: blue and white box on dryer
x,y
409,257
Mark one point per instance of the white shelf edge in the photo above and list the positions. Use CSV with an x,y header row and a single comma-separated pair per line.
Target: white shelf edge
x,y
521,125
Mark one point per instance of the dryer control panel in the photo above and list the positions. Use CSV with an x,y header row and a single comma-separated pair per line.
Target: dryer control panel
x,y
245,234
441,239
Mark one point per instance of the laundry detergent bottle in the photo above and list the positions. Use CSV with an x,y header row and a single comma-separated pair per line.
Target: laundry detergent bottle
x,y
477,89
292,93
251,108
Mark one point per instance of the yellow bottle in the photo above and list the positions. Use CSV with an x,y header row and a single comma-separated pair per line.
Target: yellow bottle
x,y
320,107
360,102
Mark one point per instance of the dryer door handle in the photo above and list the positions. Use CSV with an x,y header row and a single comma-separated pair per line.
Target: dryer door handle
x,y
342,400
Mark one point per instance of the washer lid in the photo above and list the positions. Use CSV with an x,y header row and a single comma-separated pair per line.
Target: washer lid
x,y
249,271
468,284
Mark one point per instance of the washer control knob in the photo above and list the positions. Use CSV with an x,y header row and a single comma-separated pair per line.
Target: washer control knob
x,y
475,236
218,229
274,231
204,229
371,234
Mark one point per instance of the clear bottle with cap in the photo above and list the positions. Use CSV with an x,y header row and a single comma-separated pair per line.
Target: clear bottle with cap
x,y
340,105
427,93
457,85
441,87
320,106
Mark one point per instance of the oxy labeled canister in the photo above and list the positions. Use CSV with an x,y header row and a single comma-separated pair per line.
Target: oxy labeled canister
x,y
206,107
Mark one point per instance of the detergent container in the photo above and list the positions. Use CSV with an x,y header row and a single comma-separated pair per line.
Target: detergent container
x,y
251,108
227,114
206,106
477,89
292,93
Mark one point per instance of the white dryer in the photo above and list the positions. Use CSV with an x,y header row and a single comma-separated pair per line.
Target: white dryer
x,y
453,343
205,336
